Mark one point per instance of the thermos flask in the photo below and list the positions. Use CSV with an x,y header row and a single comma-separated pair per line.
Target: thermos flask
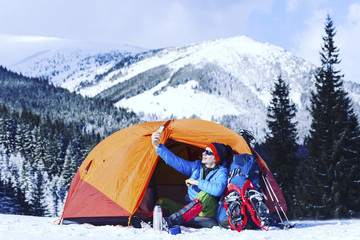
x,y
157,218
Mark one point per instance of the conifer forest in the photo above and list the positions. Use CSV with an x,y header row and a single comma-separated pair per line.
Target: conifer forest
x,y
45,134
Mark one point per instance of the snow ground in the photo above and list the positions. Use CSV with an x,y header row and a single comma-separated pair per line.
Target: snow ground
x,y
28,227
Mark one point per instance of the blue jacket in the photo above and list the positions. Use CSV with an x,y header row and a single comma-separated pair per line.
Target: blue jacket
x,y
214,183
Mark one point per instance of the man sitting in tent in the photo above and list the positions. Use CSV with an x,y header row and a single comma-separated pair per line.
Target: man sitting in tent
x,y
207,182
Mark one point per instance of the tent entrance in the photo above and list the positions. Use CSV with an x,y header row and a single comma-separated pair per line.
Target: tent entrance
x,y
166,182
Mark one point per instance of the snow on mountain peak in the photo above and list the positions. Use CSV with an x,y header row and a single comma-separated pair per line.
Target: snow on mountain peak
x,y
209,80
68,63
225,80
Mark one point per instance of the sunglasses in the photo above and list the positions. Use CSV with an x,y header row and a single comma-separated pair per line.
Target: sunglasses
x,y
208,152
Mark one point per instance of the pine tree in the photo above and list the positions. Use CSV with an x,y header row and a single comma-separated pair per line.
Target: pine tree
x,y
11,134
6,127
331,187
11,198
280,144
3,119
70,166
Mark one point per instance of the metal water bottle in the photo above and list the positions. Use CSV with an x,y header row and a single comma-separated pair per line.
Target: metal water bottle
x,y
157,218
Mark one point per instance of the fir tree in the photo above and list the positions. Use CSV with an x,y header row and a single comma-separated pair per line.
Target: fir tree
x,y
3,120
331,187
280,144
70,166
11,134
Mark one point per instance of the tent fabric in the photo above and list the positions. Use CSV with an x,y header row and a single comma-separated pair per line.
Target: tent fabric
x,y
274,185
114,177
92,197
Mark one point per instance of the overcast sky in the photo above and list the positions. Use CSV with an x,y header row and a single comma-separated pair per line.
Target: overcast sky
x,y
296,25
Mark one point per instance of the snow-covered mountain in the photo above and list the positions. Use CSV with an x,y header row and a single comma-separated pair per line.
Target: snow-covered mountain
x,y
226,80
230,77
74,64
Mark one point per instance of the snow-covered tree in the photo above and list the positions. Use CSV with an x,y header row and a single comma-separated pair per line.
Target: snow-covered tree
x,y
70,165
43,128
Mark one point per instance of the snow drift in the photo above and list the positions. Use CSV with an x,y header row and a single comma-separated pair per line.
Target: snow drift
x,y
35,228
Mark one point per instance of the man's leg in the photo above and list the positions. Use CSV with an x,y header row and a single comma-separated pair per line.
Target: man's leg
x,y
209,204
204,205
185,214
169,206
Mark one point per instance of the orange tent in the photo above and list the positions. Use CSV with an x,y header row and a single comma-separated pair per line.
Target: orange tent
x,y
111,183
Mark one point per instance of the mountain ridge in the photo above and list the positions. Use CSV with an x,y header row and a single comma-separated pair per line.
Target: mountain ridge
x,y
226,80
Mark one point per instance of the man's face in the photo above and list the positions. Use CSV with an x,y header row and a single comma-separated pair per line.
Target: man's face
x,y
208,158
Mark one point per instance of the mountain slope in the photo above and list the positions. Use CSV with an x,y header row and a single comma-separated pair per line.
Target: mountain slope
x,y
73,64
209,80
44,99
226,80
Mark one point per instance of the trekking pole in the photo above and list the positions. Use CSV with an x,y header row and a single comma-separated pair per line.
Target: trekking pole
x,y
272,199
248,137
277,200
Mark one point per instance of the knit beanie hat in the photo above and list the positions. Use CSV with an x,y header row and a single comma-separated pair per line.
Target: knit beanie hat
x,y
221,152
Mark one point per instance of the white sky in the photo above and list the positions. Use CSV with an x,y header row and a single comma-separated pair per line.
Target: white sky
x,y
296,25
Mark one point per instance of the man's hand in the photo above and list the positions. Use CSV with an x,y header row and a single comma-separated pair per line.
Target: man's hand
x,y
191,181
155,138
